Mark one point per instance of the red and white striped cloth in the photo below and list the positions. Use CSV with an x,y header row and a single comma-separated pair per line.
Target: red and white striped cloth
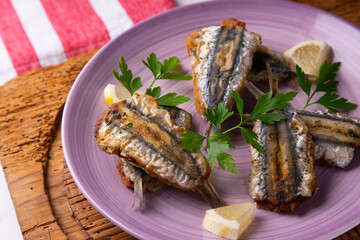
x,y
38,33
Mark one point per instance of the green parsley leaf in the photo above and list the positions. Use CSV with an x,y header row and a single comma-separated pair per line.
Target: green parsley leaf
x,y
303,80
155,92
169,64
191,141
266,103
153,64
215,149
326,83
161,71
218,115
332,102
172,99
226,162
271,118
175,76
224,137
251,138
239,102
126,77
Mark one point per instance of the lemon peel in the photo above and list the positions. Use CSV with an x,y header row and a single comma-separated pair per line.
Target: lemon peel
x,y
115,93
309,55
229,221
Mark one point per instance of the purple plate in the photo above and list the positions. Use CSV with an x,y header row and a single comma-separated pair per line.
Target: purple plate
x,y
174,214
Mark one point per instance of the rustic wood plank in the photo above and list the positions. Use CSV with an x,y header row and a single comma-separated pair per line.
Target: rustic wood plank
x,y
57,192
347,9
96,226
30,107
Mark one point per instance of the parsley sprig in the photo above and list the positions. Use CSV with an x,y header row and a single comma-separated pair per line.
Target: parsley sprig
x,y
126,77
326,83
218,142
160,71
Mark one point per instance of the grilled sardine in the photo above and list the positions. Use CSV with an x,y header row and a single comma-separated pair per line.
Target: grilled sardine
x,y
283,177
336,136
148,137
221,58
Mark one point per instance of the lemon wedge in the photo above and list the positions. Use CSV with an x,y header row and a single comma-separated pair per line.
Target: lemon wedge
x,y
229,221
115,93
309,55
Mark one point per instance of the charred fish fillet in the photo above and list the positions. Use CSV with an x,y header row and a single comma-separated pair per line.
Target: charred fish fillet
x,y
336,136
283,177
149,138
221,58
138,179
280,67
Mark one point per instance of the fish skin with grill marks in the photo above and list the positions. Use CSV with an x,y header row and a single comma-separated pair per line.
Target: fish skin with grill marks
x,y
137,178
336,136
149,138
221,58
283,177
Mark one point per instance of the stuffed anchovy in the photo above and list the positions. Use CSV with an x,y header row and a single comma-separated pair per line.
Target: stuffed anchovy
x,y
149,138
336,136
283,177
221,58
137,178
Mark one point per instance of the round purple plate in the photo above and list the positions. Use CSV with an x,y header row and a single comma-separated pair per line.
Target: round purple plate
x,y
174,214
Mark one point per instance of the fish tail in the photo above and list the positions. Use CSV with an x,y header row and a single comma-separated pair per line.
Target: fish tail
x,y
138,190
208,192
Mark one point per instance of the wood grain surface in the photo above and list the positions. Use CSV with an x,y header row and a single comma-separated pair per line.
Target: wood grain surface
x,y
47,201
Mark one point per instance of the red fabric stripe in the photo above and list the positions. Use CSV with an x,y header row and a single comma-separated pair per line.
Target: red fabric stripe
x,y
78,26
139,9
18,45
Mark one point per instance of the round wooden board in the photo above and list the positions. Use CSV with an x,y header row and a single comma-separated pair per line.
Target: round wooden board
x,y
75,215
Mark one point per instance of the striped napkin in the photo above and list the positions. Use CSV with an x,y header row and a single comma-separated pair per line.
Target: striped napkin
x,y
38,33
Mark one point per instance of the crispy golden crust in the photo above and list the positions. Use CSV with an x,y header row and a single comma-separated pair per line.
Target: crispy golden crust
x,y
281,206
192,42
232,22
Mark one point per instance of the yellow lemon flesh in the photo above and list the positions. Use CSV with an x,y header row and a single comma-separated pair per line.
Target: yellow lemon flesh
x,y
309,55
115,93
229,221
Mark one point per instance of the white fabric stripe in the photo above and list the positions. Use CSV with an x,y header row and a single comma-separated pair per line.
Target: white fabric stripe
x,y
113,16
9,225
7,70
41,33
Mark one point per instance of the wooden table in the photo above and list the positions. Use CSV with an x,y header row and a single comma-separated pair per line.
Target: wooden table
x,y
47,201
